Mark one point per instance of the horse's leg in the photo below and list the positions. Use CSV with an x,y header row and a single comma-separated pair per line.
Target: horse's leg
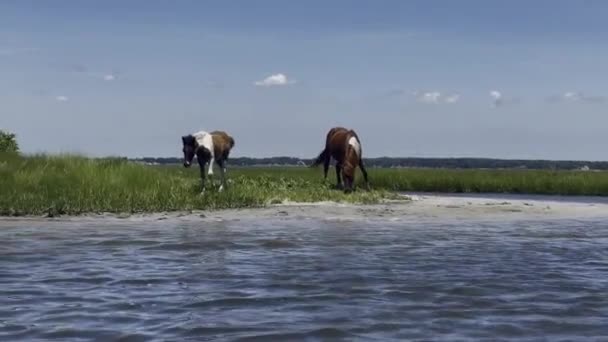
x,y
211,156
201,165
338,175
211,161
364,172
222,165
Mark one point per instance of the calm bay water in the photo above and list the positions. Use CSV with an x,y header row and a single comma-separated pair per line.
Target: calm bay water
x,y
288,279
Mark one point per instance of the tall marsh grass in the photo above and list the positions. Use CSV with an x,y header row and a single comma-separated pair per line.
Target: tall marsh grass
x,y
542,182
74,185
55,185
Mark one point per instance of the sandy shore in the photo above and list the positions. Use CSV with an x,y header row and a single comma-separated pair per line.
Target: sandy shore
x,y
414,206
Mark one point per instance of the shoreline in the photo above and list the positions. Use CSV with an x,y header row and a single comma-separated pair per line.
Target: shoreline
x,y
418,206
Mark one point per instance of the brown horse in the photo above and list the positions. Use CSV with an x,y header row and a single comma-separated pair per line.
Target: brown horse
x,y
345,147
208,148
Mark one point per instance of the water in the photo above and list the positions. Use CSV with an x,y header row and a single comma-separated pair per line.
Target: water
x,y
293,279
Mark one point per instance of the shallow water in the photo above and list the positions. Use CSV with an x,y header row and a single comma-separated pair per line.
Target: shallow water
x,y
288,279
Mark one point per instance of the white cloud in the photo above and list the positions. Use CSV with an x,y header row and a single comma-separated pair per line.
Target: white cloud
x,y
452,98
574,96
274,80
430,97
61,98
102,76
497,98
435,97
84,70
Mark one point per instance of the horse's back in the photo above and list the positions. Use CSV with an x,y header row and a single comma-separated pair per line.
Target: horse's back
x,y
335,131
340,135
338,141
222,142
204,138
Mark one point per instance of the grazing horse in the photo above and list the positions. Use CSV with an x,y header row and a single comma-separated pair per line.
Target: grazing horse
x,y
345,147
208,148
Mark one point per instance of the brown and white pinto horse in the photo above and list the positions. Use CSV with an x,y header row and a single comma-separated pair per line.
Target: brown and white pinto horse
x,y
345,147
208,148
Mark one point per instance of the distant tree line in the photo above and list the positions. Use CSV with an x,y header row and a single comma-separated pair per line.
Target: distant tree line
x,y
387,162
8,143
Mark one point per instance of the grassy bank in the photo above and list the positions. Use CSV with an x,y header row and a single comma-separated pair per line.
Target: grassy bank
x,y
75,185
542,182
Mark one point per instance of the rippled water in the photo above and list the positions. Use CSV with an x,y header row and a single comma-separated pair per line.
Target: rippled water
x,y
289,279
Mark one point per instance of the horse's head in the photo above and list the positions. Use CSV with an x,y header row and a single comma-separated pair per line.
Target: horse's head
x,y
349,166
352,156
189,148
348,177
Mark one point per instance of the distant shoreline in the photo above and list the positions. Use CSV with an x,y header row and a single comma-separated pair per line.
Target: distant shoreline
x,y
410,162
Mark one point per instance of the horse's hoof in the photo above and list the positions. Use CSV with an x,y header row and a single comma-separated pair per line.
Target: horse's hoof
x,y
221,188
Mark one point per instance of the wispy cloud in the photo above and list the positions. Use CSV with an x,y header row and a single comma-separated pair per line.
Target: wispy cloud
x,y
83,69
497,99
500,100
396,92
61,98
79,68
274,80
429,97
572,96
452,98
575,96
103,76
10,51
435,97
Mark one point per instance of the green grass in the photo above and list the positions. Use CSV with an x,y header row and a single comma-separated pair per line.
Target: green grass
x,y
543,182
74,185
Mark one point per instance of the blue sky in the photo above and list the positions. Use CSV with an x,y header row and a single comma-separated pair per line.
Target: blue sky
x,y
516,79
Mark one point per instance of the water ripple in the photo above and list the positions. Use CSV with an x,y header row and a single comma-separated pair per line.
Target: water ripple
x,y
289,279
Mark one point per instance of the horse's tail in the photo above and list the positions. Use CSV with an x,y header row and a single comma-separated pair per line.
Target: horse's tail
x,y
320,159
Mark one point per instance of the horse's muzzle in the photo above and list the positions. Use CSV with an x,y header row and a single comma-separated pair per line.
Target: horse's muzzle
x,y
186,164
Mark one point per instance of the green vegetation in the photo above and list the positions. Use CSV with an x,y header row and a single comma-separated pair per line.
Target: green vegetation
x,y
542,182
8,142
75,185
